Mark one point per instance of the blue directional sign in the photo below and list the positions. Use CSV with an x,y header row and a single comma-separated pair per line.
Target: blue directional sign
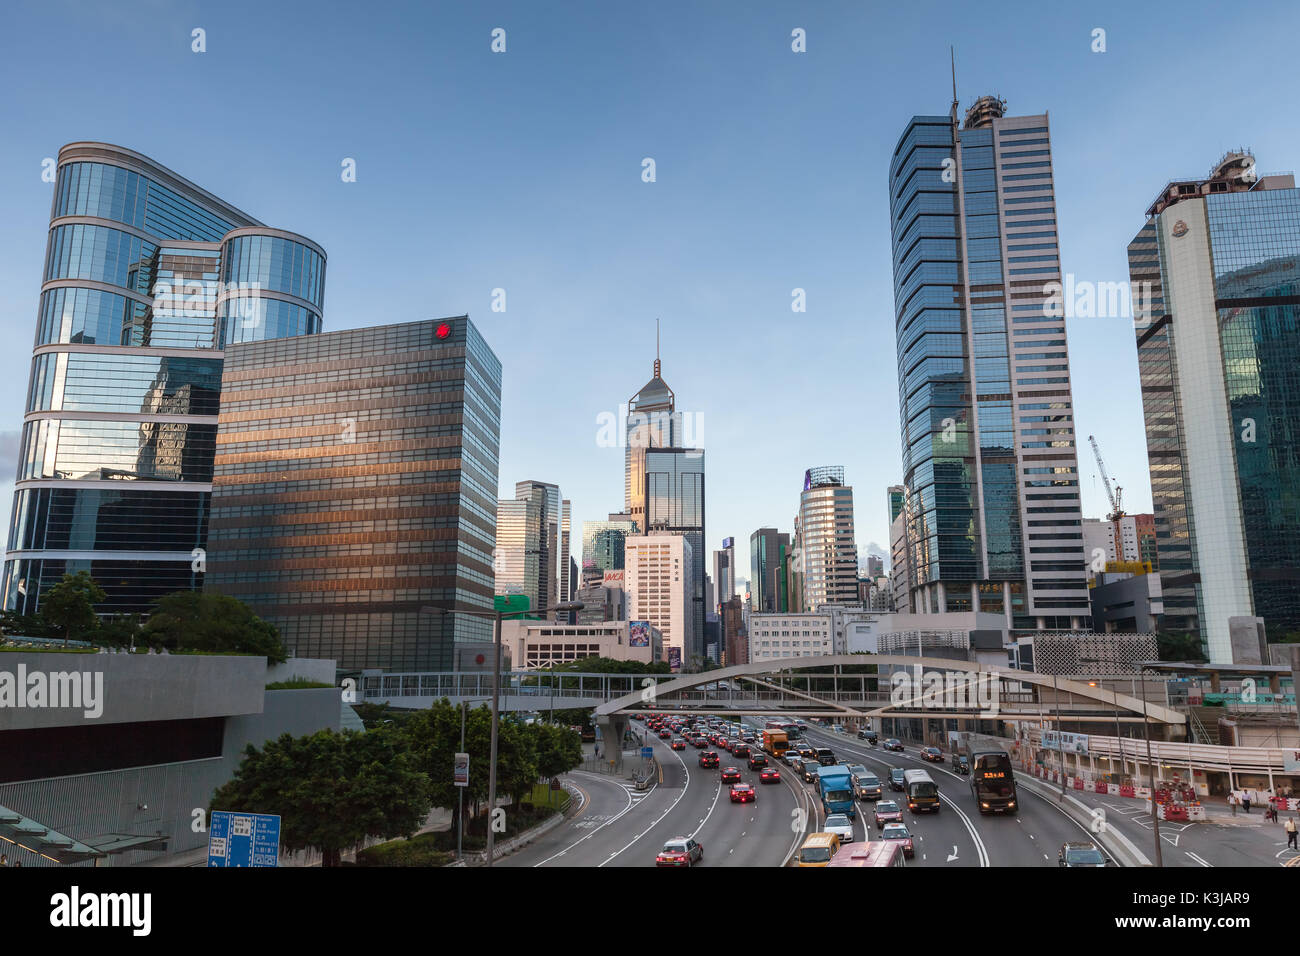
x,y
243,839
647,752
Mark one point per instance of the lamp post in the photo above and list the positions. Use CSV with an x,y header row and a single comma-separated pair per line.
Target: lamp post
x,y
498,616
1151,768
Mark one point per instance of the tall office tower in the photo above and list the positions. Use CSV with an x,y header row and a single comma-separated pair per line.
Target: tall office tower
x,y
875,566
652,422
724,571
565,559
574,579
767,546
353,494
658,584
602,546
733,629
826,544
147,279
674,505
554,574
518,559
989,458
1217,266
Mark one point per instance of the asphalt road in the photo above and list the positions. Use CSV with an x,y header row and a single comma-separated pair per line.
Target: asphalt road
x,y
616,826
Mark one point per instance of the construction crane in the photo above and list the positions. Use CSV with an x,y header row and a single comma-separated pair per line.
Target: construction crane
x,y
1117,496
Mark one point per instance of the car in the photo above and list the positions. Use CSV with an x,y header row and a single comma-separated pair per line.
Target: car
x,y
898,831
743,793
887,811
868,735
678,744
825,756
730,775
858,769
897,779
840,825
723,743
960,763
757,761
894,743
793,759
1081,854
837,728
809,770
867,786
740,751
709,759
680,851
665,734
769,775
932,754
807,753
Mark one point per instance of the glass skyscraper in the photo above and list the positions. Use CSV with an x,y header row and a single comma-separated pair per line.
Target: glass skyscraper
x,y
674,497
992,509
603,545
147,279
1217,346
355,490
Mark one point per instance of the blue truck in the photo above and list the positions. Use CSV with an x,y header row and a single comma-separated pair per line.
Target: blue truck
x,y
835,784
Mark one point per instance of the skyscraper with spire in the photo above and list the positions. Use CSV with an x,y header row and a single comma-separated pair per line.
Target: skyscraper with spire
x,y
664,491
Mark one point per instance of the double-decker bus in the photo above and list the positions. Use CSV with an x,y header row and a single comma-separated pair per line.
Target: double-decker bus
x,y
992,782
876,853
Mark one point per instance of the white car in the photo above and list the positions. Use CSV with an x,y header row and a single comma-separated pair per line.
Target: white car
x,y
841,826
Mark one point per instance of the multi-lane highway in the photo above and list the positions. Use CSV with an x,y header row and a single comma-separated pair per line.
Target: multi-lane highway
x,y
617,826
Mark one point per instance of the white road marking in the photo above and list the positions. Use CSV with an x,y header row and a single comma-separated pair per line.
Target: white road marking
x,y
1198,859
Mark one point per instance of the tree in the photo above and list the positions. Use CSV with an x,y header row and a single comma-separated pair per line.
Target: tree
x,y
69,606
331,790
120,630
558,749
25,625
1178,646
207,621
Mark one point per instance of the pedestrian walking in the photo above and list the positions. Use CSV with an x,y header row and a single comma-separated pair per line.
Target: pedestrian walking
x,y
1291,831
1245,800
1232,802
597,753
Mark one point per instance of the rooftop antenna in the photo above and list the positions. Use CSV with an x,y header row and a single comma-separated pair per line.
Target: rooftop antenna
x,y
656,348
952,53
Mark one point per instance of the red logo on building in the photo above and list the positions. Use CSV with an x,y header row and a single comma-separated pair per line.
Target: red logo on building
x,y
443,330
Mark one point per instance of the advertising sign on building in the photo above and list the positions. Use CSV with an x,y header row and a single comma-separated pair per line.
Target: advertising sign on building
x,y
638,633
675,658
613,579
1071,743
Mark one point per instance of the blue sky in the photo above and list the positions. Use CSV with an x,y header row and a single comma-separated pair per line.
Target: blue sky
x,y
522,171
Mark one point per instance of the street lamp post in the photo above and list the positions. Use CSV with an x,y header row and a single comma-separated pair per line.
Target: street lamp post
x,y
1151,769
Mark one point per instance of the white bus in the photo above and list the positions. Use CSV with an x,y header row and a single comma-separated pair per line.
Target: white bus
x,y
922,792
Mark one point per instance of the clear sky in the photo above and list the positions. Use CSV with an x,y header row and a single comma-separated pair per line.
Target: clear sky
x,y
522,171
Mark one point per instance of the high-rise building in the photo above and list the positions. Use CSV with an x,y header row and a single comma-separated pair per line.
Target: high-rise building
x,y
147,280
989,460
724,571
518,559
1215,281
826,543
674,505
652,422
602,546
354,490
767,547
733,631
658,584
552,546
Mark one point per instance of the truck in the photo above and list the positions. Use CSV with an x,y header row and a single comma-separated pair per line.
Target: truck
x,y
835,785
776,742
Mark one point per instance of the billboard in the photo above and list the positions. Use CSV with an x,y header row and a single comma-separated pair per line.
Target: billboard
x,y
638,633
728,543
675,658
613,579
1069,743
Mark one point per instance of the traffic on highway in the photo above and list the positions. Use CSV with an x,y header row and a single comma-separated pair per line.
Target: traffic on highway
x,y
778,792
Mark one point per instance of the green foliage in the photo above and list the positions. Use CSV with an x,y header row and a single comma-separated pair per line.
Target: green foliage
x,y
559,749
26,625
423,849
69,606
607,665
120,630
1176,646
331,790
211,622
296,683
378,715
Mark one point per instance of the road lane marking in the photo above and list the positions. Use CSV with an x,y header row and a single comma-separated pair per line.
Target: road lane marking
x,y
1197,858
591,834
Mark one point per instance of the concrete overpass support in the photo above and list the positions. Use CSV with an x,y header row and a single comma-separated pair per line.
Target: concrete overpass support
x,y
612,729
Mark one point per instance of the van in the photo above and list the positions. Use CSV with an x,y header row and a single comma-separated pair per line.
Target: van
x,y
818,849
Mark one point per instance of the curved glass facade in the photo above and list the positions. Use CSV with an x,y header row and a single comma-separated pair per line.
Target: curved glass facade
x,y
114,398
